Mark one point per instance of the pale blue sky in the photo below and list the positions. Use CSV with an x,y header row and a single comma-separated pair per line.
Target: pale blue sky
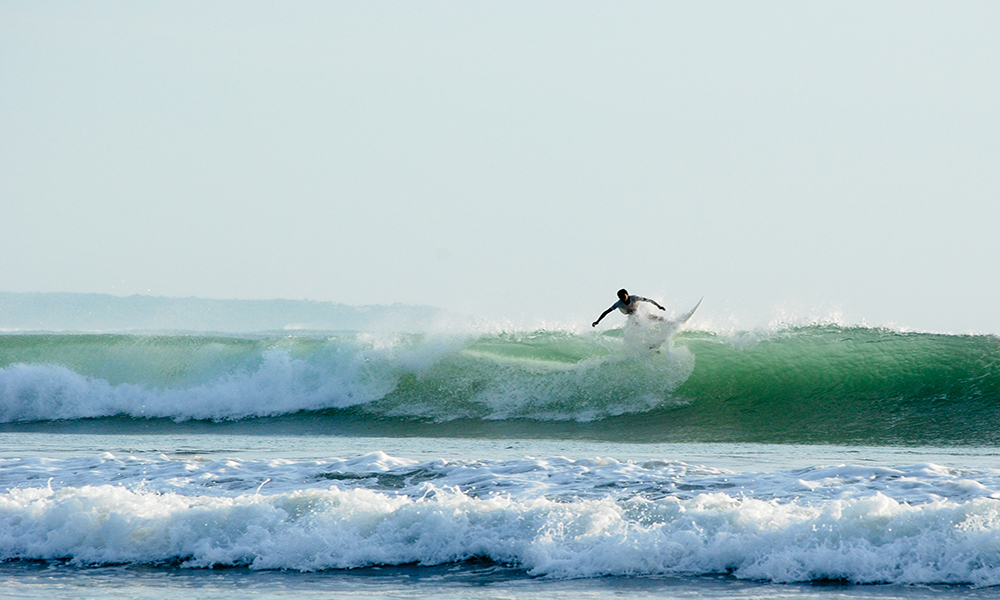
x,y
519,160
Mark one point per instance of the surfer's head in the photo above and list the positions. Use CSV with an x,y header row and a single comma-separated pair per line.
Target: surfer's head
x,y
623,295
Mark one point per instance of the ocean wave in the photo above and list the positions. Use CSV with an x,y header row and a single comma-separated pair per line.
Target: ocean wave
x,y
538,375
550,517
812,384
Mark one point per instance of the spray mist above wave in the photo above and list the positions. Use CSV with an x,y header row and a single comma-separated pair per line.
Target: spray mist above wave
x,y
538,375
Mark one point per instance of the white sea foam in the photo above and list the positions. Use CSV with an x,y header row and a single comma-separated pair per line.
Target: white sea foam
x,y
265,381
555,516
279,385
516,376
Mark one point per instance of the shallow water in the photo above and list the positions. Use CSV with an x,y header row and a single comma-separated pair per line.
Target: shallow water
x,y
574,472
469,580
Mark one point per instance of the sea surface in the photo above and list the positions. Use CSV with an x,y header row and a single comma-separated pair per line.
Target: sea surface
x,y
817,461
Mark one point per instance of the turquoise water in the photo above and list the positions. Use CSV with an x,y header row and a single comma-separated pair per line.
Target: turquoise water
x,y
809,462
799,385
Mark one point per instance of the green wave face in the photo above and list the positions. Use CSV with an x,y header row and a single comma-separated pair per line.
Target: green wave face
x,y
845,385
812,384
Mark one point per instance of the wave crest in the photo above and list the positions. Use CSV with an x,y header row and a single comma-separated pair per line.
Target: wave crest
x,y
543,375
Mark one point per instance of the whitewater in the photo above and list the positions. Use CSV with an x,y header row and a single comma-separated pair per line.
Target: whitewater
x,y
803,461
818,384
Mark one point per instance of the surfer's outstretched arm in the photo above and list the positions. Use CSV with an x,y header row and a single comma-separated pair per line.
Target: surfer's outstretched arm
x,y
603,314
653,302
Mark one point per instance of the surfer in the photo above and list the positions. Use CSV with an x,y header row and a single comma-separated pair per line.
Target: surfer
x,y
627,303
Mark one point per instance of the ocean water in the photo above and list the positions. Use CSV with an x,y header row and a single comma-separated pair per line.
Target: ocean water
x,y
808,462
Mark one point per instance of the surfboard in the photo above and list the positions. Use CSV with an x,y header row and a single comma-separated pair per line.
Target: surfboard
x,y
653,337
684,318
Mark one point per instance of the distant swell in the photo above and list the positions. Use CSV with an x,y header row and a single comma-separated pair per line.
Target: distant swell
x,y
813,384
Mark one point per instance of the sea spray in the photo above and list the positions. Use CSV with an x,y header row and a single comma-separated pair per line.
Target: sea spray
x,y
542,375
819,384
553,517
